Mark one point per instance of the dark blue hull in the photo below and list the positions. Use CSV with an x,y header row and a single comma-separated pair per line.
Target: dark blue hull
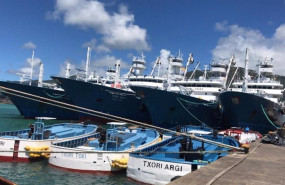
x,y
247,110
31,108
104,99
169,109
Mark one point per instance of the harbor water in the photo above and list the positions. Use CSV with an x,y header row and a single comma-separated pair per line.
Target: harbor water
x,y
35,173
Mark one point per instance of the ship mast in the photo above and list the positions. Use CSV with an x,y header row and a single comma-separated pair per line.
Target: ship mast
x,y
155,65
117,77
32,67
228,70
189,61
40,82
67,70
87,64
194,70
205,72
244,88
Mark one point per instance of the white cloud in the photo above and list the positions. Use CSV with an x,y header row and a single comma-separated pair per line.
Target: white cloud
x,y
29,45
26,68
164,54
117,29
239,38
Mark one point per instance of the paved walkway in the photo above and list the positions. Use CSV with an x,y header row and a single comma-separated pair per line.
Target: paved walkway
x,y
265,164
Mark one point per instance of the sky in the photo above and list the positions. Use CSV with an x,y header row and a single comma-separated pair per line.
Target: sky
x,y
59,31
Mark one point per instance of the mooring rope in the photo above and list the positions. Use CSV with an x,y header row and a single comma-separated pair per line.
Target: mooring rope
x,y
268,117
178,99
122,152
112,117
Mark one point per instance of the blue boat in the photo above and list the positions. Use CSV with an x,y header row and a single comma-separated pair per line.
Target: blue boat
x,y
105,151
31,106
169,109
34,143
175,157
104,99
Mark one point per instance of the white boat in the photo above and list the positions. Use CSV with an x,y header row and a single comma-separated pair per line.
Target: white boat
x,y
26,145
174,157
105,151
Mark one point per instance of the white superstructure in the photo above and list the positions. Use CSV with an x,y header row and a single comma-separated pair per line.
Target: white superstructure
x,y
203,87
263,84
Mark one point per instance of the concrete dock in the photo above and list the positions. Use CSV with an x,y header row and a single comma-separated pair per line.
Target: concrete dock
x,y
264,164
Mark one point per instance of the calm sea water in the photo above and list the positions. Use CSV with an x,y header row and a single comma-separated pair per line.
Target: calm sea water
x,y
41,173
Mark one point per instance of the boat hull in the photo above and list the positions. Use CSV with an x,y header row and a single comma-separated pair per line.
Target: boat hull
x,y
90,160
13,148
38,108
106,100
169,109
248,110
150,171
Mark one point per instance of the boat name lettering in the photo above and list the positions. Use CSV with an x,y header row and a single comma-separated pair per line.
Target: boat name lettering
x,y
2,143
81,156
172,167
68,155
198,88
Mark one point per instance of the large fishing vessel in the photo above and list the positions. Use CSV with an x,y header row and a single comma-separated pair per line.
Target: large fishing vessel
x,y
185,101
253,103
169,109
107,100
25,96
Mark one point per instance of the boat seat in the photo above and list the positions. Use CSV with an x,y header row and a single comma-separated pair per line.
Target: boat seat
x,y
210,156
79,131
172,149
65,134
126,135
94,143
47,134
59,129
23,135
136,139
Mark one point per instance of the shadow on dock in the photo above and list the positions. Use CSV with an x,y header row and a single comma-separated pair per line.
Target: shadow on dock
x,y
264,164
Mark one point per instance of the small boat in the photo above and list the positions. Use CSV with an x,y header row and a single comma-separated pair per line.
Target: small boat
x,y
105,151
34,143
243,136
175,157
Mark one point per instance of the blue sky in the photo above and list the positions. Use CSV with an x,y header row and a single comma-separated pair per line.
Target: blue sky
x,y
60,30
